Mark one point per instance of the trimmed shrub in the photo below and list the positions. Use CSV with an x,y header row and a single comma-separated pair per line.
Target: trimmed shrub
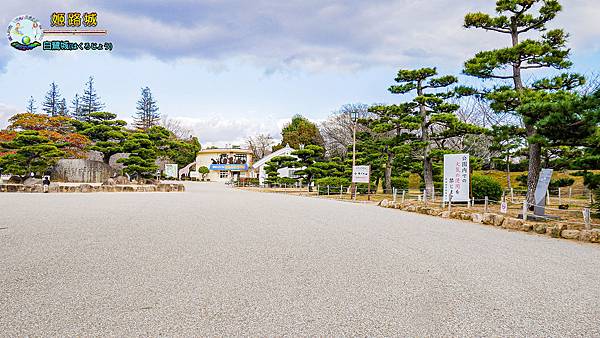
x,y
562,182
400,183
486,186
286,180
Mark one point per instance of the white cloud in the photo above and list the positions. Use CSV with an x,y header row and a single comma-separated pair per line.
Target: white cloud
x,y
307,34
219,131
6,111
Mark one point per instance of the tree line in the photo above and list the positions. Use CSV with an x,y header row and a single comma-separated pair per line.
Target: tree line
x,y
505,122
33,143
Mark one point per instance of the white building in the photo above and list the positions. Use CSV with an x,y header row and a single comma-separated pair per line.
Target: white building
x,y
224,165
259,166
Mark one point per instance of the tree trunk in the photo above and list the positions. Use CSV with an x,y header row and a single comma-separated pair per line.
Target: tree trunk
x,y
427,165
388,173
535,150
508,183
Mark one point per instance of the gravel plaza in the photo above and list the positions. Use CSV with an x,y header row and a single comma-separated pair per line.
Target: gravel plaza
x,y
219,261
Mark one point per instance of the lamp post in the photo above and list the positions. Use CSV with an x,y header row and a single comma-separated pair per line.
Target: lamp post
x,y
354,118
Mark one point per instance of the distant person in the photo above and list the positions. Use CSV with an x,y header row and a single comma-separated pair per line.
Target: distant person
x,y
46,183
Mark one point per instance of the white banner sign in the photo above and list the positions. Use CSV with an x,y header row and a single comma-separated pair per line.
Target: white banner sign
x,y
171,170
194,174
456,177
361,174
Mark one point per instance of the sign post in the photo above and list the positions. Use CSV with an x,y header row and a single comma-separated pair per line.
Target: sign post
x,y
171,170
361,174
456,178
541,192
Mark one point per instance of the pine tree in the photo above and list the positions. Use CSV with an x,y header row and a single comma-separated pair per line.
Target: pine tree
x,y
76,107
516,18
31,107
52,100
147,114
436,117
63,109
90,101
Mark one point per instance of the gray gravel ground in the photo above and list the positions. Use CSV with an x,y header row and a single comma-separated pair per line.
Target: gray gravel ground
x,y
219,261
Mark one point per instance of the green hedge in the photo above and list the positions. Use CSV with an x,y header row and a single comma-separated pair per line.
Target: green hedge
x,y
400,183
483,186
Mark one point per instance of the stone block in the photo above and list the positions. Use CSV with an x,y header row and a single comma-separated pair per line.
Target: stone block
x,y
540,228
570,234
499,220
513,224
488,218
477,218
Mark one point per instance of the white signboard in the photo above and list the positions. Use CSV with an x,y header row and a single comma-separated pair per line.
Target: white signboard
x,y
194,174
171,170
361,174
504,207
456,177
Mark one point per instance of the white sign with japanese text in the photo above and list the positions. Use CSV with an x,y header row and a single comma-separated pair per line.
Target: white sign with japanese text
x,y
456,177
361,174
171,170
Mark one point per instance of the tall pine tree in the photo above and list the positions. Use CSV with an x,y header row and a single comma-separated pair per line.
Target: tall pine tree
x,y
516,18
62,107
52,100
147,114
31,107
90,101
76,107
436,116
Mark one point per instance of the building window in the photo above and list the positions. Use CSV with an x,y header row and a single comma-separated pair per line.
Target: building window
x,y
223,174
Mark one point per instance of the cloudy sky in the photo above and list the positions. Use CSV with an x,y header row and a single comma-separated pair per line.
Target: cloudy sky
x,y
231,68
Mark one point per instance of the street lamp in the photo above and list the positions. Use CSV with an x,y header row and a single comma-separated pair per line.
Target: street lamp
x,y
354,118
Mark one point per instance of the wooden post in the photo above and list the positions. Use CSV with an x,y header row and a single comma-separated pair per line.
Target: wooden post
x,y
525,209
425,196
512,195
548,197
394,193
486,204
559,196
341,189
327,190
587,218
403,194
570,192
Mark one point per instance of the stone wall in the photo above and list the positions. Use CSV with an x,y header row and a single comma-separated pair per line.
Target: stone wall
x,y
81,171
86,188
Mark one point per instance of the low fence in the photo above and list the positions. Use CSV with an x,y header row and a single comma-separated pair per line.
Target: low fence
x,y
564,205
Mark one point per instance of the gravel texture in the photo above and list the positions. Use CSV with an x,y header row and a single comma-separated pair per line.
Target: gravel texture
x,y
220,261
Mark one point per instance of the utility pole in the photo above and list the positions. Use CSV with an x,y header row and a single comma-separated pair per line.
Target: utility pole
x,y
354,117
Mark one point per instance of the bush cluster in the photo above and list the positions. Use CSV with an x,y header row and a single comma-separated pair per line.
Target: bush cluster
x,y
483,186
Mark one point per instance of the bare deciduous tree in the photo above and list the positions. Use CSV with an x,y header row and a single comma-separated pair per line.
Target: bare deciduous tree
x,y
176,127
260,145
337,129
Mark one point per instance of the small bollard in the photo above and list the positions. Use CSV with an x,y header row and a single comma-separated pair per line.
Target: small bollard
x,y
403,195
525,209
425,196
512,195
559,196
341,189
327,190
587,218
486,204
394,193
